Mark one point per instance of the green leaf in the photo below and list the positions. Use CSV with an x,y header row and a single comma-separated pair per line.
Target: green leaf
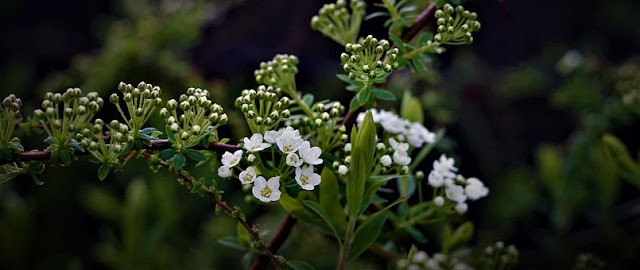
x,y
411,108
244,238
195,155
167,153
293,190
299,265
361,162
330,197
383,94
367,138
231,242
103,171
363,96
373,184
298,210
344,78
354,104
308,99
316,207
375,15
366,234
457,239
170,135
178,161
618,153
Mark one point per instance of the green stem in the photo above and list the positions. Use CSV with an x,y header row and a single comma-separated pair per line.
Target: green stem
x,y
393,11
344,252
421,50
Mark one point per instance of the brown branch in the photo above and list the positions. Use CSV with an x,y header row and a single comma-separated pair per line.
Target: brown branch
x,y
228,209
276,242
161,144
419,23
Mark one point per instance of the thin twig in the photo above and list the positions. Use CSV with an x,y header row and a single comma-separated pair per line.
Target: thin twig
x,y
276,242
161,144
228,209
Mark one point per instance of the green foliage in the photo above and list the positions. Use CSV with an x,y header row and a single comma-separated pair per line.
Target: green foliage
x,y
334,20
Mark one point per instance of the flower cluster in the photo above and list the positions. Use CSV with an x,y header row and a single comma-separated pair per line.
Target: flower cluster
x,y
264,108
455,30
141,101
199,119
324,127
334,21
9,115
109,154
63,116
367,60
294,166
497,256
457,189
415,133
420,260
279,72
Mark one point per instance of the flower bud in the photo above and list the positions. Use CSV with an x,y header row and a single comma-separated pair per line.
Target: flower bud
x,y
223,119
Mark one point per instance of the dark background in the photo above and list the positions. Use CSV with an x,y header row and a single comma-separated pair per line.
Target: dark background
x,y
507,109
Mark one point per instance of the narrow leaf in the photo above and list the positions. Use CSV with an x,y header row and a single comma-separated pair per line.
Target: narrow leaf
x,y
103,172
411,108
366,235
323,214
383,94
178,161
330,197
195,155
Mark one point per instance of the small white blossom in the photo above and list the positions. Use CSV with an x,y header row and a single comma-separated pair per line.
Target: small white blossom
x,y
306,178
266,191
293,160
475,189
255,144
398,146
420,257
248,176
224,172
289,141
438,201
445,166
417,135
385,160
461,207
455,193
251,158
310,155
435,179
271,136
401,158
342,170
347,159
231,160
347,147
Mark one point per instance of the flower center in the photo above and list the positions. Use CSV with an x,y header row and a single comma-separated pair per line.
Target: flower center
x,y
287,148
248,177
266,192
234,160
304,179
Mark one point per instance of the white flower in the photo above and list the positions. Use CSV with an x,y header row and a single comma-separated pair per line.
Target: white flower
x,y
475,189
385,160
310,155
417,135
271,136
347,147
224,172
293,160
231,160
255,144
420,257
392,123
306,178
248,176
401,158
445,166
289,141
266,191
342,170
438,201
398,146
251,158
461,207
455,193
435,179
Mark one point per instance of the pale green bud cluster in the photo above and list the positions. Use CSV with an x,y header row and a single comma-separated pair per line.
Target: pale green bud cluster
x,y
141,101
9,115
279,72
324,126
369,59
93,139
192,118
499,256
263,108
455,25
627,83
335,22
63,115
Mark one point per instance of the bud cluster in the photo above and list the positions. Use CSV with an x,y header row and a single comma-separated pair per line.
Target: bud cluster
x,y
93,139
627,83
335,22
62,116
264,108
324,126
369,59
455,25
279,72
497,256
141,102
420,260
9,115
199,118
